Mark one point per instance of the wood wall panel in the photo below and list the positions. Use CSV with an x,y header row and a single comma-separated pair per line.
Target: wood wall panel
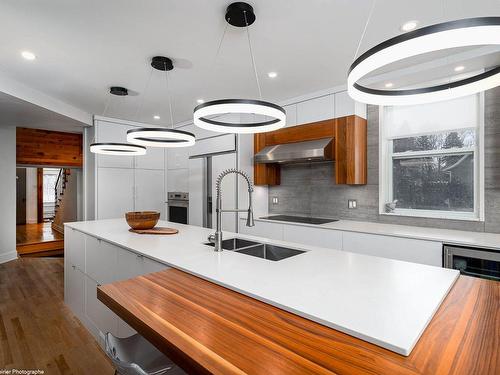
x,y
48,148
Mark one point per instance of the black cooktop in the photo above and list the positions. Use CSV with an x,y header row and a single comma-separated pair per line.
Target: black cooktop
x,y
299,219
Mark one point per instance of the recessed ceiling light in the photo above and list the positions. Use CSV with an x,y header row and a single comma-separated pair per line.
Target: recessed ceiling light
x,y
28,55
272,74
388,85
200,101
156,117
409,26
459,68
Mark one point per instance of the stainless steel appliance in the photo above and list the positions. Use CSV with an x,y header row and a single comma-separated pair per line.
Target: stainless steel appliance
x,y
178,207
477,262
298,152
299,219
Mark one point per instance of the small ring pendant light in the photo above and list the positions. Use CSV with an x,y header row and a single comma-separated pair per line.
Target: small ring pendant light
x,y
121,149
161,137
240,14
453,34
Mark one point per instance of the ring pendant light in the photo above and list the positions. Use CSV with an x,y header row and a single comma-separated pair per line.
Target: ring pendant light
x,y
207,115
459,33
161,137
121,149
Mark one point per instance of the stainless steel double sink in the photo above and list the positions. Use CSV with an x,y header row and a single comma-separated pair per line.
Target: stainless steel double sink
x,y
257,249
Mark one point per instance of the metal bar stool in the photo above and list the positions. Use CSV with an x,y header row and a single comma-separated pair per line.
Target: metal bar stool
x,y
134,355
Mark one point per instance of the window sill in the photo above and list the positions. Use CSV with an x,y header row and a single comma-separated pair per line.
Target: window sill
x,y
433,215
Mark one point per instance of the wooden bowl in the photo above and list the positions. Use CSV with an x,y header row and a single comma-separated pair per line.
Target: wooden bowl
x,y
142,220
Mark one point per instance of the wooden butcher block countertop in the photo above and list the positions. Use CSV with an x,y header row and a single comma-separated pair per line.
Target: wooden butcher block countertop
x,y
207,328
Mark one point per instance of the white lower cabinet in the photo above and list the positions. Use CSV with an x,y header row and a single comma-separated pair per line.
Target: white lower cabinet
x,y
407,249
102,318
74,290
101,263
264,229
331,239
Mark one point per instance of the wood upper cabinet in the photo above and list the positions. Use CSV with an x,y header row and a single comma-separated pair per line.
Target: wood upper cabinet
x,y
349,152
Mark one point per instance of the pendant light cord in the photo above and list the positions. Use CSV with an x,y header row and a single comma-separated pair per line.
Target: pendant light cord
x,y
252,56
108,101
365,28
141,103
169,97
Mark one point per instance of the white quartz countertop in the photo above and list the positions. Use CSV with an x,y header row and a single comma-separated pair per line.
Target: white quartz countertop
x,y
383,301
455,237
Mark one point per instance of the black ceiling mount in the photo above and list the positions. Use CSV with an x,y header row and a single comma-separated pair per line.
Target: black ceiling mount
x,y
117,90
162,63
236,13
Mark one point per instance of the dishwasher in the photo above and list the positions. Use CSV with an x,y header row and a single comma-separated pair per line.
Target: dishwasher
x,y
470,261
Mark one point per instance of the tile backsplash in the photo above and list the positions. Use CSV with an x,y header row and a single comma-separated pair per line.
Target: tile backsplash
x,y
310,189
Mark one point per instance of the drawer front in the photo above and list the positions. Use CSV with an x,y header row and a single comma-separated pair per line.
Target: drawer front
x,y
331,239
407,249
100,260
74,247
98,313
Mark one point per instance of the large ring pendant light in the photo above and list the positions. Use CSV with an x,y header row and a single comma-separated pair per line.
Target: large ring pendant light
x,y
121,149
239,106
158,137
460,33
161,137
209,114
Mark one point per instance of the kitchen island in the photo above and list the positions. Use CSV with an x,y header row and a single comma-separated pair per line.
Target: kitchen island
x,y
385,302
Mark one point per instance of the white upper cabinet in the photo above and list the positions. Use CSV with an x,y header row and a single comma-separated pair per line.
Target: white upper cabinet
x,y
154,159
149,191
317,109
222,143
346,106
114,133
178,158
115,192
291,114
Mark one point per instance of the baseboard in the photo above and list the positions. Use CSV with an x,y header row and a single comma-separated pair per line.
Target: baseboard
x,y
7,257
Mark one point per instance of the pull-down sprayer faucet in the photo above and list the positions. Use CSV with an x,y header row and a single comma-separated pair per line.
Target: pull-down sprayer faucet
x,y
216,238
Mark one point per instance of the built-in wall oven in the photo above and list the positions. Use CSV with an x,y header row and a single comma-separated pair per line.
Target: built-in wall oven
x,y
178,207
477,262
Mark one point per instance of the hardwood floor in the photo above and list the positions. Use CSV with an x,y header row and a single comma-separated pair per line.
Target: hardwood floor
x,y
37,330
38,240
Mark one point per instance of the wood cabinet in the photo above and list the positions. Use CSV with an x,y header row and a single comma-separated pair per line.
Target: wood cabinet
x,y
349,134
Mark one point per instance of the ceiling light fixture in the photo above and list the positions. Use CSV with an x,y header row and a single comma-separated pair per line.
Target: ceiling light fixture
x,y
156,117
272,74
28,55
117,149
409,26
240,14
200,101
161,137
459,68
111,148
389,85
453,34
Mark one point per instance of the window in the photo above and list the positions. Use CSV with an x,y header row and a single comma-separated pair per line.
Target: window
x,y
430,160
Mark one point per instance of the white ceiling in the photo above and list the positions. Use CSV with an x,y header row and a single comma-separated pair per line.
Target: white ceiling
x,y
20,113
83,47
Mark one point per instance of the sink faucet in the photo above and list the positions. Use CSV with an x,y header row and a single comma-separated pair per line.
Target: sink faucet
x,y
216,238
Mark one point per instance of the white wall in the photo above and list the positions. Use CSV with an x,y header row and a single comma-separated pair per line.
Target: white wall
x,y
31,196
8,193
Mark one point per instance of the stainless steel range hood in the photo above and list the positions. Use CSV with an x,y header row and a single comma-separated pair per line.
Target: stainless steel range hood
x,y
305,151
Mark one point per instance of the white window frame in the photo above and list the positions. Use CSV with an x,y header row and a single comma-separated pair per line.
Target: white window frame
x,y
385,172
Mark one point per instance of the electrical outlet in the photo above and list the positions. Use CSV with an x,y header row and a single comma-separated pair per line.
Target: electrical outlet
x,y
275,200
352,203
